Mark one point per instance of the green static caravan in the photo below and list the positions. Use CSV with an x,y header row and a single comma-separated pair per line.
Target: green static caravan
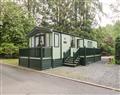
x,y
49,48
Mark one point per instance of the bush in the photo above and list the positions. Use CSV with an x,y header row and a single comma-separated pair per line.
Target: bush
x,y
107,50
117,50
8,49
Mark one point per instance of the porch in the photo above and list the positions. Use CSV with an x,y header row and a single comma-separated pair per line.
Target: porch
x,y
36,58
82,56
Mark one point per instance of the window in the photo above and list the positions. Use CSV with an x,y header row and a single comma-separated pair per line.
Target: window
x,y
42,40
48,40
39,40
89,44
78,43
36,41
73,42
30,42
56,40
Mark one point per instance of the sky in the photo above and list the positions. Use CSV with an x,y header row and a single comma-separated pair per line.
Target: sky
x,y
109,18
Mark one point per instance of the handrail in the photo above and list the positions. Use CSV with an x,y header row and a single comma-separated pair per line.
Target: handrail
x,y
67,54
76,54
36,52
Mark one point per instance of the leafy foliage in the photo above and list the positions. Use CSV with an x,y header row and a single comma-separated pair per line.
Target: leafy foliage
x,y
117,53
8,48
16,25
74,16
106,37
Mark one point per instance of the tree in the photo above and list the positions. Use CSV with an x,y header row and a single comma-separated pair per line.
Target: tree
x,y
8,49
16,24
74,16
106,37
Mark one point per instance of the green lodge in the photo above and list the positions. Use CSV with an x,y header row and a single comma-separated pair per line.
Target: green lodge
x,y
49,49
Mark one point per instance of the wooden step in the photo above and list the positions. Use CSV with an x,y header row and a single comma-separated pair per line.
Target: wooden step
x,y
70,64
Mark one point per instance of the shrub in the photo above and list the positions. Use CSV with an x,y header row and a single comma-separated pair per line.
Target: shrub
x,y
8,49
107,50
117,50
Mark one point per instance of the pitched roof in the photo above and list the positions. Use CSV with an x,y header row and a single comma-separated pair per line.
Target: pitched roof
x,y
37,30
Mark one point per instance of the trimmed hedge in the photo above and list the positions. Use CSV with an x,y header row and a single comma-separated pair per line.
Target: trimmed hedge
x,y
117,51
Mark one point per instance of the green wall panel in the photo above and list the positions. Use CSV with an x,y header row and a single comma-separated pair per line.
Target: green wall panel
x,y
57,62
23,62
46,64
89,60
35,64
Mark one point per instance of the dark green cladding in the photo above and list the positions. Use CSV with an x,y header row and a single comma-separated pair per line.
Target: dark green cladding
x,y
46,64
57,62
35,64
40,65
23,62
89,59
42,58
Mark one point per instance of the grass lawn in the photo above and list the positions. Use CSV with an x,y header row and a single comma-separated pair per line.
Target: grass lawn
x,y
9,61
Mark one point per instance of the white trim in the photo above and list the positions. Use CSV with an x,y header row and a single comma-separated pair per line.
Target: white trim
x,y
46,57
91,55
40,58
24,57
35,57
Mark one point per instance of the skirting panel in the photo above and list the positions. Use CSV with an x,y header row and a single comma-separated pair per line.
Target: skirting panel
x,y
23,62
97,58
35,64
46,64
89,60
57,62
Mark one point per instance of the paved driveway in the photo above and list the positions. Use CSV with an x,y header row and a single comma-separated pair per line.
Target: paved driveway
x,y
15,81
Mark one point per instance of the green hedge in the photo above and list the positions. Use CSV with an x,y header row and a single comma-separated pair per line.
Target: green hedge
x,y
117,50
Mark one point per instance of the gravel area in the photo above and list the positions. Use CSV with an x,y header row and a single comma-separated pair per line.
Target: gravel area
x,y
100,72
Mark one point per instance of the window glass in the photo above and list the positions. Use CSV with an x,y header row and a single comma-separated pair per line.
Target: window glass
x,y
47,40
78,43
89,44
56,40
30,42
36,41
42,40
73,42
